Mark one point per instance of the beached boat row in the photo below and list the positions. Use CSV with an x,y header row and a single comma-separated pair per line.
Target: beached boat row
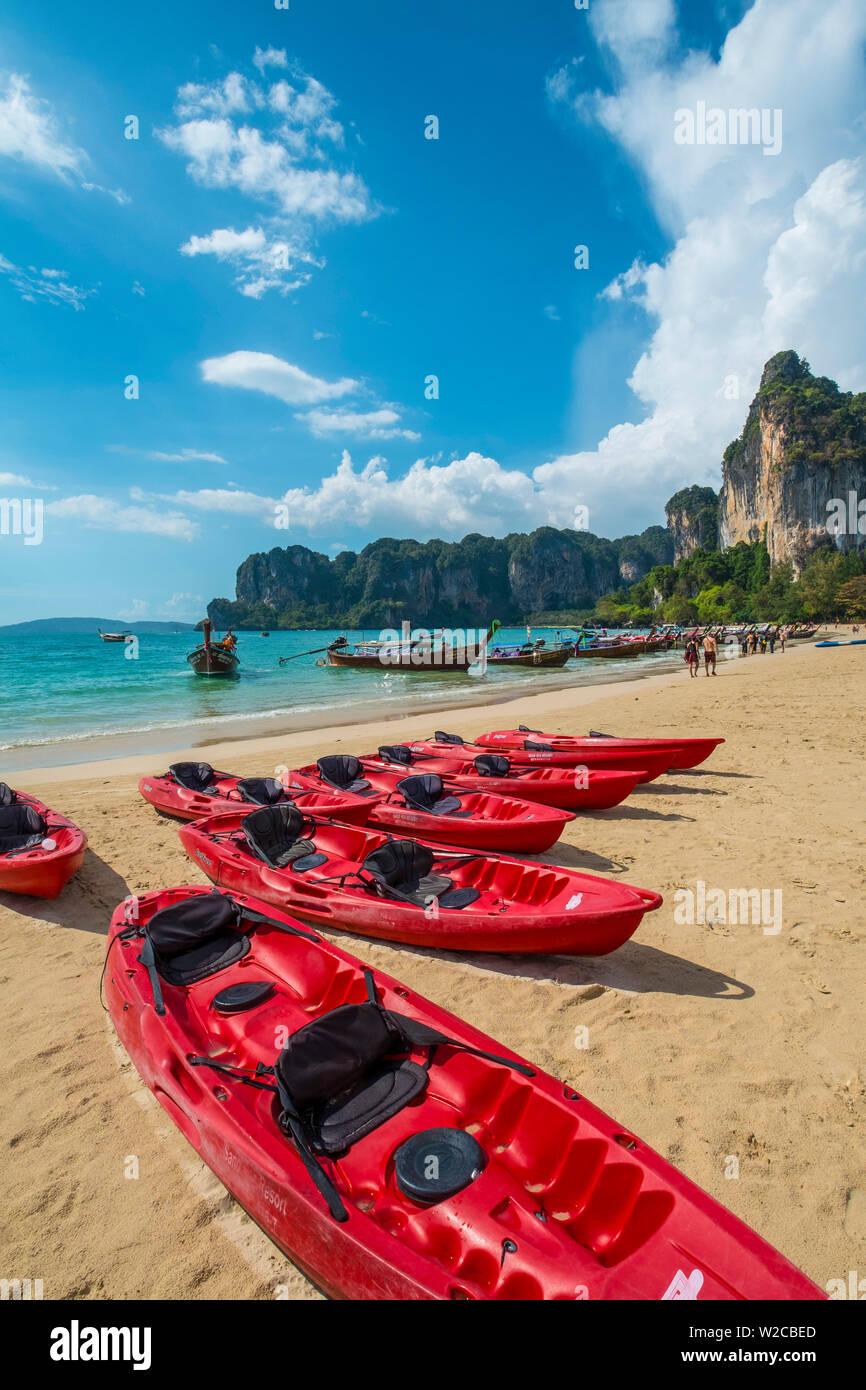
x,y
389,1149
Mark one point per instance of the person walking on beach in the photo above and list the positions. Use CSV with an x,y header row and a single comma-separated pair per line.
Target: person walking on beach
x,y
783,634
772,640
691,658
711,650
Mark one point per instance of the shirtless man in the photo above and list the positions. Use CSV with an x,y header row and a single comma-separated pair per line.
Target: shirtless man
x,y
710,652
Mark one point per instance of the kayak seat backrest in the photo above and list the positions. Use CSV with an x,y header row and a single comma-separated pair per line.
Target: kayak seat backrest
x,y
440,737
401,870
492,765
336,1073
21,827
196,937
342,771
424,793
193,777
262,791
537,747
273,834
396,753
593,733
7,796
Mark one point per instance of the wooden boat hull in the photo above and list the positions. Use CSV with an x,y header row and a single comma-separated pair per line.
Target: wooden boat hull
x,y
213,661
620,650
553,658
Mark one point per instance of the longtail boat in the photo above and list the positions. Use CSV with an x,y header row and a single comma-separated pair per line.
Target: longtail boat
x,y
432,653
113,636
634,647
214,658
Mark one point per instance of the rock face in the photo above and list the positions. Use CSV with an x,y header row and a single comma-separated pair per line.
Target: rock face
x,y
803,445
459,584
693,520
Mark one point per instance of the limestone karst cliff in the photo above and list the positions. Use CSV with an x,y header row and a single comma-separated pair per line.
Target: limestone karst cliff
x,y
803,445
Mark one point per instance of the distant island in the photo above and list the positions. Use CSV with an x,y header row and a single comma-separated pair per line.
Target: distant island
x,y
758,550
67,626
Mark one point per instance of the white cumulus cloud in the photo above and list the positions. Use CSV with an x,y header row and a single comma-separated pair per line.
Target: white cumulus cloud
x,y
261,371
276,144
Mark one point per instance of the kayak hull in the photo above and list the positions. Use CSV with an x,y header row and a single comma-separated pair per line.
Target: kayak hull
x,y
567,1204
485,821
596,789
41,873
522,907
681,752
650,765
173,800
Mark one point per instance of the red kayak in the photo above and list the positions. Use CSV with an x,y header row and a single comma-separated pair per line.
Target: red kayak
x,y
406,890
192,790
419,805
680,752
593,789
390,1150
535,753
40,850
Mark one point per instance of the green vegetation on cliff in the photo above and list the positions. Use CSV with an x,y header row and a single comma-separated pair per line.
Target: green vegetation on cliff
x,y
826,426
461,583
739,585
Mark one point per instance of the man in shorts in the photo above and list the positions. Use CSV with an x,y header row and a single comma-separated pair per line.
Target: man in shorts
x,y
710,653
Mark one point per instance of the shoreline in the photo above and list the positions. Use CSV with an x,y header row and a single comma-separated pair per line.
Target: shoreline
x,y
245,743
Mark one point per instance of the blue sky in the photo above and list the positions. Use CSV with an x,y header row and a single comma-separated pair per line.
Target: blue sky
x,y
283,259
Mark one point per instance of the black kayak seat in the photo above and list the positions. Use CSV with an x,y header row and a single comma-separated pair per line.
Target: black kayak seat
x,y
273,834
402,870
396,753
492,765
196,937
594,733
21,828
343,771
440,737
8,797
261,791
194,777
423,792
532,747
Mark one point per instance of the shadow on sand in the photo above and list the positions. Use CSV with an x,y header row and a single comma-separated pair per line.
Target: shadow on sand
x,y
87,902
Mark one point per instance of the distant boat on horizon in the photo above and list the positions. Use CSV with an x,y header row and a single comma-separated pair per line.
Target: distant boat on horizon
x,y
113,636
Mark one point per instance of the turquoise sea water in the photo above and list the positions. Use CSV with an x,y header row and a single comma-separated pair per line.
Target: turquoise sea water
x,y
77,697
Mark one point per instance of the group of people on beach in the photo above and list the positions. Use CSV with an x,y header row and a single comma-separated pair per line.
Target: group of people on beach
x,y
750,643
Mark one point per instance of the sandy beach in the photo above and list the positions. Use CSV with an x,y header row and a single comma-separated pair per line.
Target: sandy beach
x,y
713,1042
